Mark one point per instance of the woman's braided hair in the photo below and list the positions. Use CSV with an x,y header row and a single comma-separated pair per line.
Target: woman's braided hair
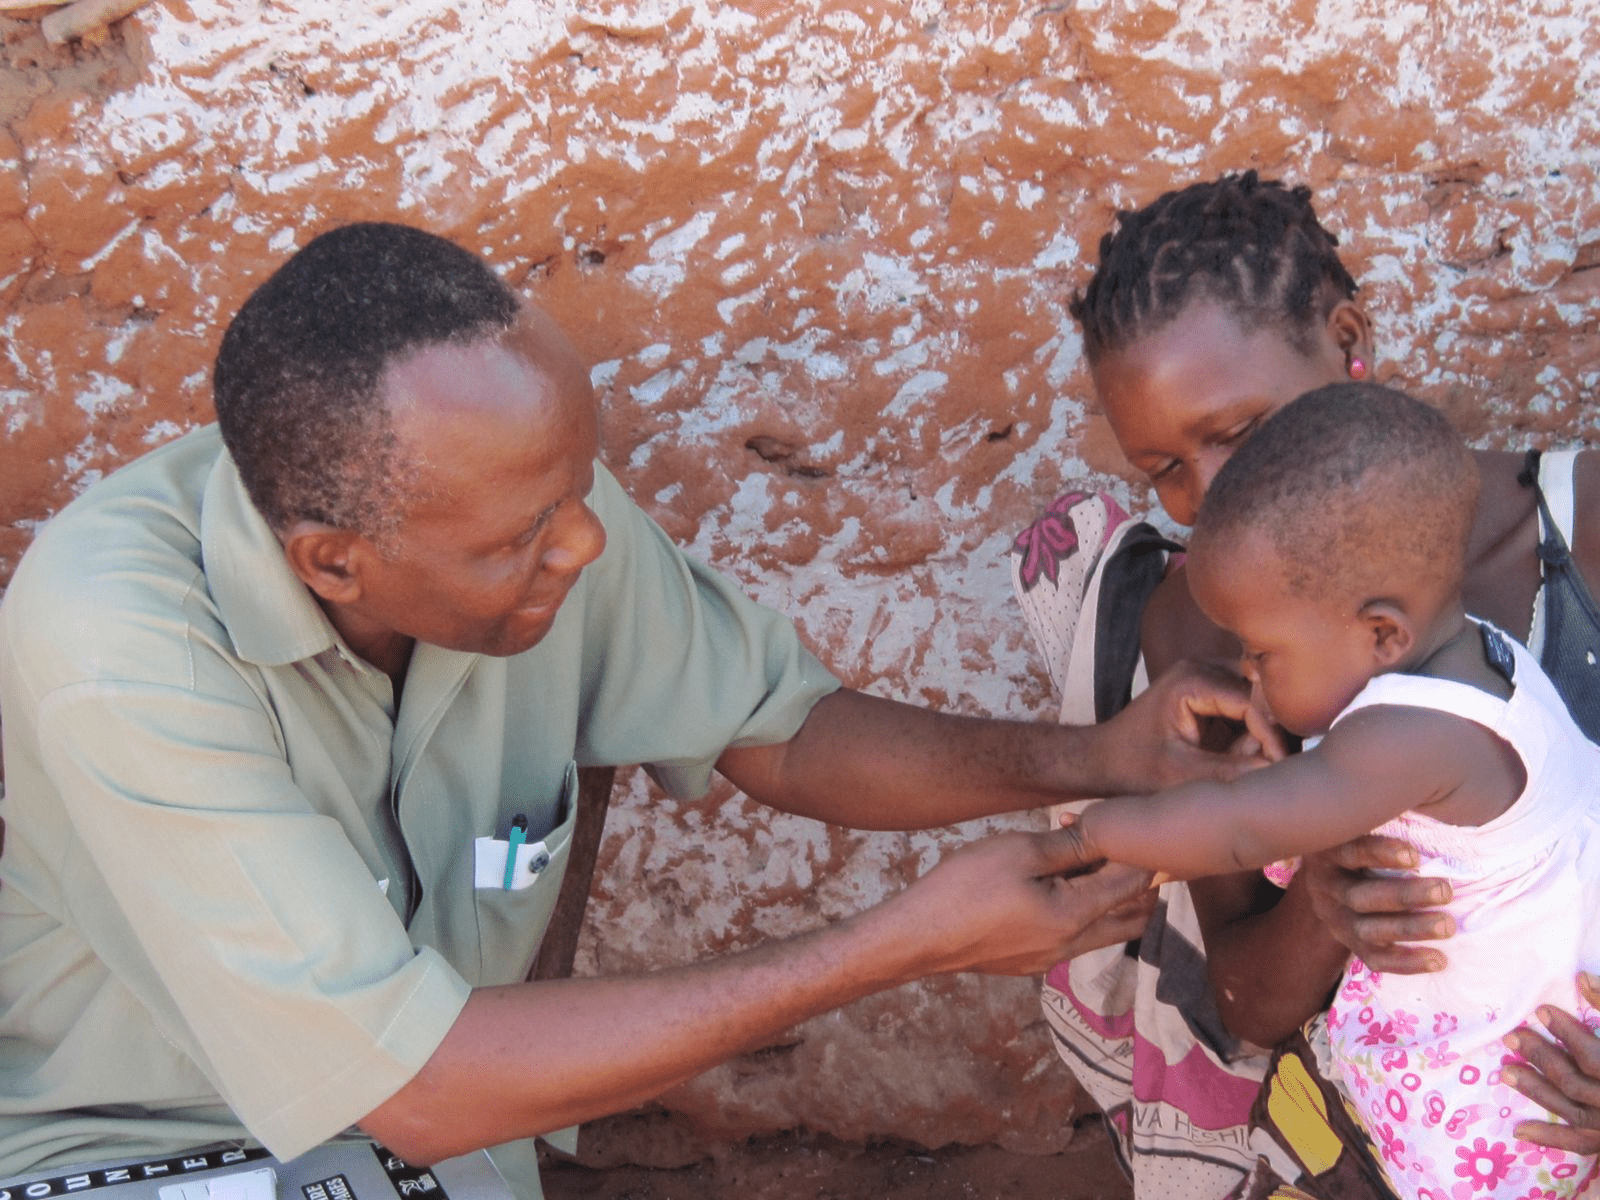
x,y
1250,244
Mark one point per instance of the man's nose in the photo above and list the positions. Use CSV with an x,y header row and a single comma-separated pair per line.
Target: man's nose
x,y
579,546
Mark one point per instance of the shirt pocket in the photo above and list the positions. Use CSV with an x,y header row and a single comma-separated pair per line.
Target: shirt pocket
x,y
511,922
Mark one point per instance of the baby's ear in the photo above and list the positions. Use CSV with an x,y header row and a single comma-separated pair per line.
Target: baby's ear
x,y
1392,634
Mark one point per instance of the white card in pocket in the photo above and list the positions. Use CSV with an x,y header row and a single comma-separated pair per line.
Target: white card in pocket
x,y
489,863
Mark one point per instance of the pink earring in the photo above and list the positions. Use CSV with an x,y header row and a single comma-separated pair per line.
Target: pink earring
x,y
1358,369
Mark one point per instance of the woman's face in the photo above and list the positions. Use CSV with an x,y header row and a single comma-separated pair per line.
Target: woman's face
x,y
1182,398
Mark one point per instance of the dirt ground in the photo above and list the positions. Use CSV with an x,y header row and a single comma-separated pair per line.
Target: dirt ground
x,y
792,1166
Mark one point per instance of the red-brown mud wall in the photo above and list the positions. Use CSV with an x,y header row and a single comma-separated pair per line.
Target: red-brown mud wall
x,y
819,254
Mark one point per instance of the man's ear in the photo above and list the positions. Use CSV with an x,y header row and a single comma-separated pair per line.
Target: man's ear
x,y
326,559
1392,633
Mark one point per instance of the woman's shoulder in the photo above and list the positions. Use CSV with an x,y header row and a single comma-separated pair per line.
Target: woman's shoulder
x,y
1061,545
1058,569
1082,571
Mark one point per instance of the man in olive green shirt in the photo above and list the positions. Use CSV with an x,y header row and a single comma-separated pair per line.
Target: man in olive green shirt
x,y
276,695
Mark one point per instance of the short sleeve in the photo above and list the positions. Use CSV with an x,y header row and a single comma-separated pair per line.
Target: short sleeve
x,y
242,920
679,664
184,917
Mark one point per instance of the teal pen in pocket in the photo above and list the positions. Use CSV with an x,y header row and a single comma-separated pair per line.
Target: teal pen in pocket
x,y
518,835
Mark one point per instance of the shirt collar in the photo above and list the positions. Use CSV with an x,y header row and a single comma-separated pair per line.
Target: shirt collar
x,y
271,616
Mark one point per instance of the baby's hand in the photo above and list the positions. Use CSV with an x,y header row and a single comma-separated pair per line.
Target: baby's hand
x,y
1088,851
1071,822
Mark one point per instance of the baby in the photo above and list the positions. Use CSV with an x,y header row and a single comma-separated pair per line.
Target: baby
x,y
1332,545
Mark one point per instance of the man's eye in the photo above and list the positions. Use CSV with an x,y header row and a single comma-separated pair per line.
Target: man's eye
x,y
534,530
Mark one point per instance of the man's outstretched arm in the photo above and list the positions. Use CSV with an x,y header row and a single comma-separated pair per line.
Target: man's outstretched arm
x,y
871,763
528,1058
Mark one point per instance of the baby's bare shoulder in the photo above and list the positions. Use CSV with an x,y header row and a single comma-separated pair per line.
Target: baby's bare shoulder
x,y
1460,772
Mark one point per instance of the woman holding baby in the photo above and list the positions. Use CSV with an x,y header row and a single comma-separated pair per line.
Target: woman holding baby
x,y
1212,308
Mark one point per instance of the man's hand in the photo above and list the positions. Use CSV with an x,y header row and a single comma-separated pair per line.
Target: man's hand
x,y
1563,1075
870,763
1158,737
1018,903
1375,916
1003,905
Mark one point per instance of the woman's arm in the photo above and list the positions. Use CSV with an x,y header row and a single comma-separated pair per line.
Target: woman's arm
x,y
1274,955
1263,993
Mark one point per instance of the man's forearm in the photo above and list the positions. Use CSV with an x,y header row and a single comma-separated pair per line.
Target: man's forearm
x,y
529,1058
872,763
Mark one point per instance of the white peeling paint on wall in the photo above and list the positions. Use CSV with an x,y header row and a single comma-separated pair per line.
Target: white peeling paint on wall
x,y
820,256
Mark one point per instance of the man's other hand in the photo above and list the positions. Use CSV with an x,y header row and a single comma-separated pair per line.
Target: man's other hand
x,y
1158,737
1018,903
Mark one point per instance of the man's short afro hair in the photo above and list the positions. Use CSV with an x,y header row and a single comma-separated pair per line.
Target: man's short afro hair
x,y
298,374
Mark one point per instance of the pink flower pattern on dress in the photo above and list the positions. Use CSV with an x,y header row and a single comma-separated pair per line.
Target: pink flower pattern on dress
x,y
1379,1033
1439,1057
1484,1165
1391,1145
1533,1155
1353,989
1418,1092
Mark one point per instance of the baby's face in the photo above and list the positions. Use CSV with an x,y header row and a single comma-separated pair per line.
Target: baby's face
x,y
1305,659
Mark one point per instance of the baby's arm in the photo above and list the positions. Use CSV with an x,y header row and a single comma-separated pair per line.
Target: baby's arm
x,y
1374,765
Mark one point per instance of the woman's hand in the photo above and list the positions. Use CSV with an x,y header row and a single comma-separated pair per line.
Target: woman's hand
x,y
1563,1075
1374,916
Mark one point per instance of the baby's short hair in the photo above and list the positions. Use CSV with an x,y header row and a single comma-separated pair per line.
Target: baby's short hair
x,y
1357,485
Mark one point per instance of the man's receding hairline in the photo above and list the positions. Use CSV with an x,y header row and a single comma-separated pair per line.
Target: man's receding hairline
x,y
501,339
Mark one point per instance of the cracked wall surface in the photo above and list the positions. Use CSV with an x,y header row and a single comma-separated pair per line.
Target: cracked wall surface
x,y
819,255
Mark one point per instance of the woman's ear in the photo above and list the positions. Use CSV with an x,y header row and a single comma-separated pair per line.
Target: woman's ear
x,y
1350,330
1391,630
326,559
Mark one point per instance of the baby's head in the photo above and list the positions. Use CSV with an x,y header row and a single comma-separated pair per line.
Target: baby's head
x,y
1333,545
